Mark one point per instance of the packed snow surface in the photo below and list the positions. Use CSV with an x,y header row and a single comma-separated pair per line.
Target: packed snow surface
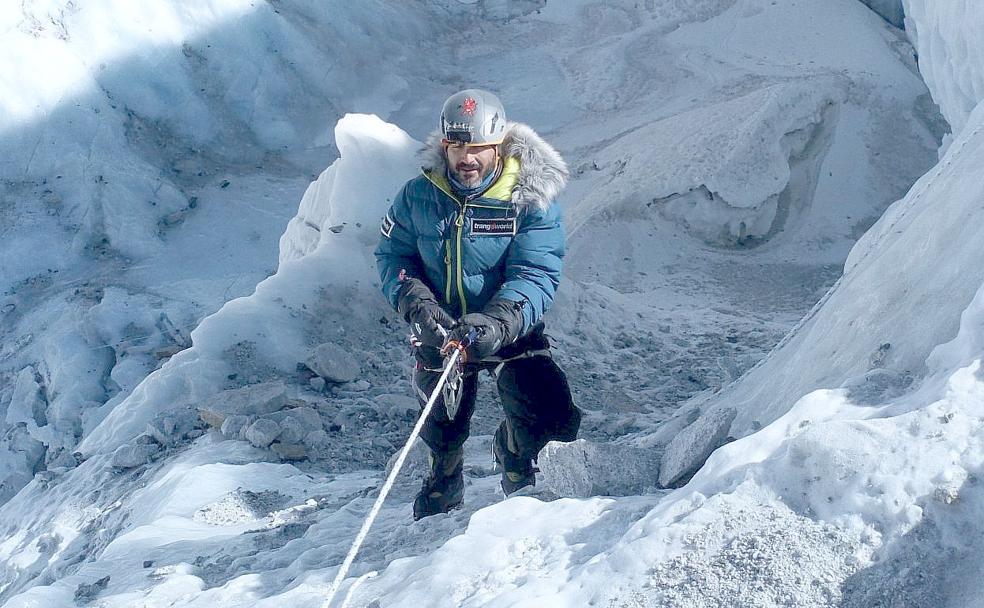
x,y
193,415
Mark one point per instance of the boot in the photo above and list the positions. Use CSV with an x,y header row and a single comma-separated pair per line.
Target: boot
x,y
517,472
444,488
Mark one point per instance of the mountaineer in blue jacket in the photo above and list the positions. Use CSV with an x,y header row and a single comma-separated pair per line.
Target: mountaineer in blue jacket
x,y
476,242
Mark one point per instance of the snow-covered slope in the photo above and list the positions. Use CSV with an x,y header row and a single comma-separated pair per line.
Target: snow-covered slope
x,y
727,154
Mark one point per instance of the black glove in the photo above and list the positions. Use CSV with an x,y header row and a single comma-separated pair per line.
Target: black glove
x,y
499,324
428,321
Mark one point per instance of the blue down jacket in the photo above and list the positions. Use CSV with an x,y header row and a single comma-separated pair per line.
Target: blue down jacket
x,y
507,243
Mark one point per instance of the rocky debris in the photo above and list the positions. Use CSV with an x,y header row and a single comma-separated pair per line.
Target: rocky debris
x,y
317,440
135,454
253,400
317,383
581,468
262,432
398,406
63,458
87,591
241,506
690,448
170,428
291,431
234,427
304,414
358,386
290,451
333,363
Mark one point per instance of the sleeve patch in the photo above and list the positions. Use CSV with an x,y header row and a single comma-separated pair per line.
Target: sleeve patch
x,y
387,227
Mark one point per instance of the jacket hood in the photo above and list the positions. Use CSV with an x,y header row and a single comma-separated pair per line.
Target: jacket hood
x,y
542,173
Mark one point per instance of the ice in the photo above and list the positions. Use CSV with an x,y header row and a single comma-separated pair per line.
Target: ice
x,y
26,402
951,54
727,155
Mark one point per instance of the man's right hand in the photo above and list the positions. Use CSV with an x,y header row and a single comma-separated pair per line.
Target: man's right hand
x,y
428,321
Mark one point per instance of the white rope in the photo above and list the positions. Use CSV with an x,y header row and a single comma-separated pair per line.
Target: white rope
x,y
343,571
358,583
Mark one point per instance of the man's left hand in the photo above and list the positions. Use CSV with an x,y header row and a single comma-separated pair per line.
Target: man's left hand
x,y
498,325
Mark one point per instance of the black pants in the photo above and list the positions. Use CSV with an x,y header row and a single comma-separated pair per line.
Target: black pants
x,y
534,392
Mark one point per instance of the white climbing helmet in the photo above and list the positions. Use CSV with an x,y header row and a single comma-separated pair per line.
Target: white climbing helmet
x,y
473,117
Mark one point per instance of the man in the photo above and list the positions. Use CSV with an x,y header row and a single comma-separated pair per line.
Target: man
x,y
475,244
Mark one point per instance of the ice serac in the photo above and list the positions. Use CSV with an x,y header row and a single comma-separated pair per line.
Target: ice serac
x,y
336,200
948,40
905,285
269,332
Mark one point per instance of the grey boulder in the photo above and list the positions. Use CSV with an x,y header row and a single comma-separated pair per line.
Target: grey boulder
x,y
333,363
582,468
253,400
689,449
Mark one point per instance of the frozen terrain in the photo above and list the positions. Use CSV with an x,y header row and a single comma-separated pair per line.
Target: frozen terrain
x,y
190,420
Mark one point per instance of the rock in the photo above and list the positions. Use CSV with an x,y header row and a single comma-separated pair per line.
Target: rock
x,y
581,468
415,467
291,431
290,451
333,363
307,416
262,432
134,454
317,440
253,400
318,383
234,426
86,591
63,458
398,406
687,452
359,386
168,429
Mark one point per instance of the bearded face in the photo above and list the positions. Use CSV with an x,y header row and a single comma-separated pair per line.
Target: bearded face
x,y
471,164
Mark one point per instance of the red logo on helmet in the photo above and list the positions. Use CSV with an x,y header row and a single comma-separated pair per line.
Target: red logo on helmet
x,y
468,106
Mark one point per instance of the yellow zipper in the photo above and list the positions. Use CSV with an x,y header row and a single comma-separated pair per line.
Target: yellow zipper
x,y
447,273
460,222
461,287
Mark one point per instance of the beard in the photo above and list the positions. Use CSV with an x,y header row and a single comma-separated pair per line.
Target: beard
x,y
470,175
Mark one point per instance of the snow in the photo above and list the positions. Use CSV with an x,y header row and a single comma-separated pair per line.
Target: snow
x,y
727,157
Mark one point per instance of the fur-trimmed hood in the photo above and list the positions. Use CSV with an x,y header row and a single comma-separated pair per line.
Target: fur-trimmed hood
x,y
542,174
